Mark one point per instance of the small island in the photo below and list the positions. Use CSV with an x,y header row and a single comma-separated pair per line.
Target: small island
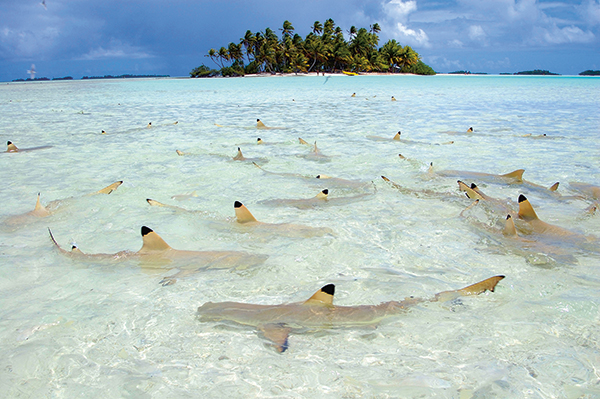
x,y
323,50
536,72
589,72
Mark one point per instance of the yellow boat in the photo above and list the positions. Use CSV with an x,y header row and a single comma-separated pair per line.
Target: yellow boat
x,y
349,73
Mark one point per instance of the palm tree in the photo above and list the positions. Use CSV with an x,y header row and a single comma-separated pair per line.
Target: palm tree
x,y
212,53
287,29
317,28
248,42
352,32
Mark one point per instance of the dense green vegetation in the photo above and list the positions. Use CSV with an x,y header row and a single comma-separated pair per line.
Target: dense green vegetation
x,y
324,49
535,72
589,72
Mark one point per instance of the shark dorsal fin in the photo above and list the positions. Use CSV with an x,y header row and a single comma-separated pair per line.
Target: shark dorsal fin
x,y
40,210
554,187
239,156
242,213
401,156
259,141
397,136
180,153
11,147
526,211
302,141
509,227
315,149
323,177
154,203
469,191
430,169
353,95
259,124
323,194
470,130
322,297
516,174
152,241
482,286
110,189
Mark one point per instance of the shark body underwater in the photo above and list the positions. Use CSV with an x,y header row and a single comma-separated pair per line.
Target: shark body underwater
x,y
276,322
155,252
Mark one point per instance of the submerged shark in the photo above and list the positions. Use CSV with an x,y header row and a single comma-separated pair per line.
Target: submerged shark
x,y
276,322
321,199
11,147
41,211
515,176
240,157
316,155
155,252
397,138
331,181
248,222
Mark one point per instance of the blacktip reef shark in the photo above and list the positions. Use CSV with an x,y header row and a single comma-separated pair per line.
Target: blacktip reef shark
x,y
321,199
513,177
259,125
531,224
11,147
315,155
240,157
331,181
248,222
155,252
507,238
397,138
41,211
276,322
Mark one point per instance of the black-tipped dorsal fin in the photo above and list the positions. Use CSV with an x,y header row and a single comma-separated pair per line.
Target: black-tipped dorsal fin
x,y
509,227
152,241
516,175
397,136
526,211
324,296
259,141
554,187
11,147
242,214
259,123
239,156
323,194
469,191
323,177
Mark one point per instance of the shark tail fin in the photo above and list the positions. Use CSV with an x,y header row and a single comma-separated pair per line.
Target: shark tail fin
x,y
242,214
324,296
474,289
516,175
259,123
554,187
11,147
152,241
397,136
525,209
323,194
509,227
239,156
109,189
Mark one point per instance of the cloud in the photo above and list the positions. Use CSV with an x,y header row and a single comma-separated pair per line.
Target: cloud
x,y
455,43
115,49
476,33
412,37
399,10
568,34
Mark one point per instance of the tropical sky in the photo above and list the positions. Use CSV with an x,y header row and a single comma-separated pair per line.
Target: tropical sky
x,y
171,37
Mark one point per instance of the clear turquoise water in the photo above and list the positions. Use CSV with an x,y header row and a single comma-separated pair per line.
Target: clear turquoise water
x,y
70,328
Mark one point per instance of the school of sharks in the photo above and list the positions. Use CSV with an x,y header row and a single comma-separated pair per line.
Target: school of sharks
x,y
513,222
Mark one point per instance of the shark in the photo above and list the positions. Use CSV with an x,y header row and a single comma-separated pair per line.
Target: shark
x,y
240,157
247,221
513,177
277,322
321,199
397,138
11,147
588,190
41,211
530,223
316,155
156,253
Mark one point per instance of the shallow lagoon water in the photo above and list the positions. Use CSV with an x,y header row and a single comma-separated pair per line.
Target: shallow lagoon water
x,y
70,328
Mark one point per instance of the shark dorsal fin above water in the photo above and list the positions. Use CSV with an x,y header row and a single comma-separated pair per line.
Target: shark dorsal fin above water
x,y
302,141
324,296
397,136
259,124
323,194
259,141
11,147
516,175
40,210
152,241
526,211
469,191
239,156
554,187
509,227
242,214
